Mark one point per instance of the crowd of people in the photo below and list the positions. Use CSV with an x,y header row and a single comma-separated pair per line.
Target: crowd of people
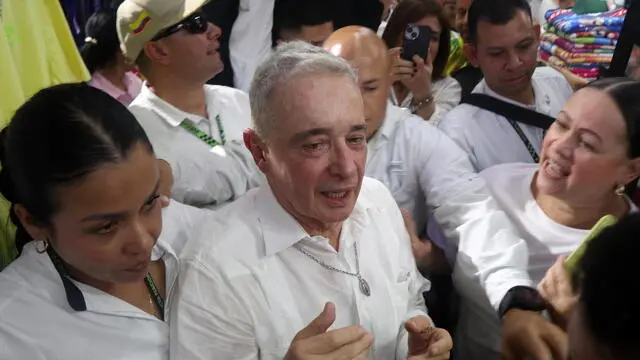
x,y
340,202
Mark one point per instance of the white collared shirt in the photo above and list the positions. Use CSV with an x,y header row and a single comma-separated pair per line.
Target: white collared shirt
x,y
38,322
246,294
489,139
250,40
204,176
479,328
428,174
446,96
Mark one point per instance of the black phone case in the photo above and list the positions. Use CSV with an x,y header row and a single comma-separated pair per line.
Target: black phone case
x,y
416,41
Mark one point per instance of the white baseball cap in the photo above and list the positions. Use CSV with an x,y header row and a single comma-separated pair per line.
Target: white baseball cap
x,y
140,20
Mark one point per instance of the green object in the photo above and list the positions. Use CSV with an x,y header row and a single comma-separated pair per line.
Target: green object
x,y
571,262
590,6
8,250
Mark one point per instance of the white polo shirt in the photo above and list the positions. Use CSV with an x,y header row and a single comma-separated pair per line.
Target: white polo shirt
x,y
247,294
204,176
38,322
489,139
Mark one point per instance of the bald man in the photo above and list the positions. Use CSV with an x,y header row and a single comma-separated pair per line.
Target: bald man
x,y
429,175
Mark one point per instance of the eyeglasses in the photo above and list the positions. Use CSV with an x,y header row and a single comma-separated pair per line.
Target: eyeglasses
x,y
197,23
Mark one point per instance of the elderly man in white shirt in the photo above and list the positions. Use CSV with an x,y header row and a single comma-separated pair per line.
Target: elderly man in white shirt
x,y
196,128
503,42
318,262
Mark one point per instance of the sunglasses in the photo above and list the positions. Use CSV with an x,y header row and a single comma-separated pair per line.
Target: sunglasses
x,y
197,23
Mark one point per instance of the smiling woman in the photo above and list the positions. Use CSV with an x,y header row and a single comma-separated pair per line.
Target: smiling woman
x,y
588,157
83,182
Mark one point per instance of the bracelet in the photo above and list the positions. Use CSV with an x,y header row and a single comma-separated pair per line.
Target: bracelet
x,y
420,104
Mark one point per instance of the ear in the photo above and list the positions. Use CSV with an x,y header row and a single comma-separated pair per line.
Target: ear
x,y
633,171
471,53
257,147
536,31
157,52
34,229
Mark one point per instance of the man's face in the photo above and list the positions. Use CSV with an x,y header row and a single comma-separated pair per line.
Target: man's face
x,y
315,154
195,56
462,7
506,54
374,82
314,34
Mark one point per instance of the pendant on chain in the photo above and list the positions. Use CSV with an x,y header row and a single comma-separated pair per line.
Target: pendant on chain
x,y
364,286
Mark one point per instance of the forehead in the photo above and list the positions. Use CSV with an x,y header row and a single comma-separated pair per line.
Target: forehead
x,y
318,101
113,187
596,110
506,35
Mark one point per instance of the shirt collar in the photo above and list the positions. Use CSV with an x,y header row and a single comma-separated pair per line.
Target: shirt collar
x,y
541,99
75,297
280,230
169,113
392,117
131,82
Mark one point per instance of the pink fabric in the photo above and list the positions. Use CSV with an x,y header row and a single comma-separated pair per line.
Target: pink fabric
x,y
131,81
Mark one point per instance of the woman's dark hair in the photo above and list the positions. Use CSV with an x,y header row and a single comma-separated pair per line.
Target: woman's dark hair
x,y
101,43
607,282
57,138
412,11
625,93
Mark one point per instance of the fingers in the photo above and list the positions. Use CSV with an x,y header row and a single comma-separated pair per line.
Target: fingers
x,y
408,222
556,340
418,324
440,343
359,349
164,201
335,339
320,324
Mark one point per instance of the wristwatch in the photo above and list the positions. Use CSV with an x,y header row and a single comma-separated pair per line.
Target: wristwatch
x,y
521,298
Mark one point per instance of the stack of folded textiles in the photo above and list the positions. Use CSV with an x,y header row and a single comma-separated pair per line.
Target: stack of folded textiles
x,y
581,43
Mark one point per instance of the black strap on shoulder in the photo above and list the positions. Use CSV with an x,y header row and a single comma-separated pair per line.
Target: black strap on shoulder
x,y
510,111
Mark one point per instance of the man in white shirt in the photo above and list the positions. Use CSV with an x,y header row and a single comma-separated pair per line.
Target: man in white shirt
x,y
503,42
250,41
196,128
317,233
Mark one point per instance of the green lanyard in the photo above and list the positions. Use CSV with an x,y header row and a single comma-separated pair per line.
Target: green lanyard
x,y
195,131
155,295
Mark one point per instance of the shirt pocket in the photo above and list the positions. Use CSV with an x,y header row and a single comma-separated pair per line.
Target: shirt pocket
x,y
400,294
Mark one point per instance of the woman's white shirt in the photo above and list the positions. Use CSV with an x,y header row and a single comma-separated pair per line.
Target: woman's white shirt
x,y
479,327
38,322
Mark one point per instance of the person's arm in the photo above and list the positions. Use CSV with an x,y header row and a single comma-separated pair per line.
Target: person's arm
x,y
448,93
491,254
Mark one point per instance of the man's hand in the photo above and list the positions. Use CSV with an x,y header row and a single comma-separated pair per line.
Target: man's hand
x,y
314,341
421,248
427,342
526,334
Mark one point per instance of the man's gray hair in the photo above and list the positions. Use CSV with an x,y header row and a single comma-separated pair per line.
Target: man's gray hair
x,y
295,58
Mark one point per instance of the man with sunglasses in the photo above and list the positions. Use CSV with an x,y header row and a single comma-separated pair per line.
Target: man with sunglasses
x,y
197,128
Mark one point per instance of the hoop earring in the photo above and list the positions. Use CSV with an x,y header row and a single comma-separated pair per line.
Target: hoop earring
x,y
620,190
45,243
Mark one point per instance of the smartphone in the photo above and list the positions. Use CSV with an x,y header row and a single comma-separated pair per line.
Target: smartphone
x,y
416,41
571,262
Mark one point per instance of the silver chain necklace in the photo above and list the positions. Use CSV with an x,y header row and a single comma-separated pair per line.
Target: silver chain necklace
x,y
363,284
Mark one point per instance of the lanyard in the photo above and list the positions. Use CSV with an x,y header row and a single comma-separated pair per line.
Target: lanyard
x,y
155,295
206,138
525,141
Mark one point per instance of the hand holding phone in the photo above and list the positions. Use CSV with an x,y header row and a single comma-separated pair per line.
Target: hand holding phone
x,y
571,262
416,41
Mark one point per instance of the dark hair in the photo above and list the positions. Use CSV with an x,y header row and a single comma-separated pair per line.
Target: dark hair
x,y
292,15
495,12
102,44
625,93
55,139
412,11
607,282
